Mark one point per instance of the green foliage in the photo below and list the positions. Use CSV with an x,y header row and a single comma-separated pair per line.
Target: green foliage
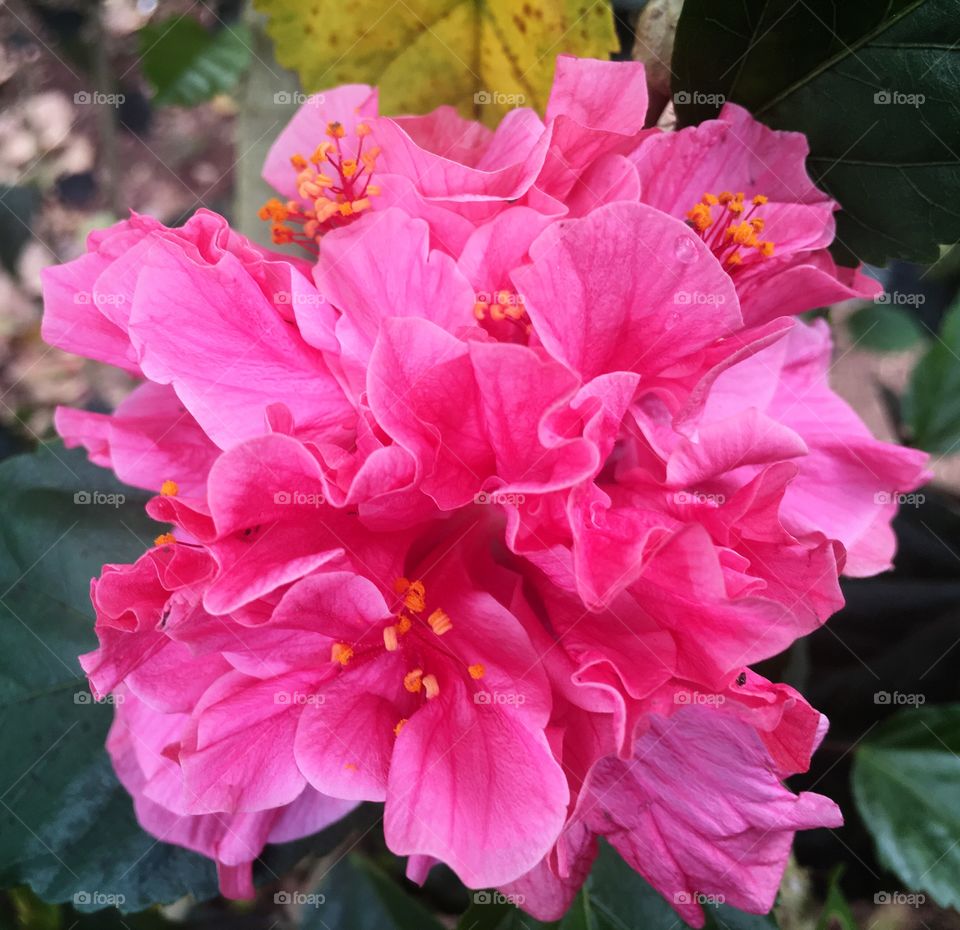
x,y
357,894
483,57
884,328
67,827
906,781
187,65
613,898
836,914
876,89
931,404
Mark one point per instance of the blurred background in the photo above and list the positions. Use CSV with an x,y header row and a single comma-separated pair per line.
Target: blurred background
x,y
163,106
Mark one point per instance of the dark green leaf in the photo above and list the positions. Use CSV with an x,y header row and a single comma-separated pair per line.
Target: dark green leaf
x,y
67,828
19,204
884,328
836,914
492,911
357,894
621,900
613,898
906,780
931,404
186,64
876,89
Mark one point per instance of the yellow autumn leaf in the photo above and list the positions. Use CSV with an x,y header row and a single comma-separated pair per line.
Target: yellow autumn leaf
x,y
482,56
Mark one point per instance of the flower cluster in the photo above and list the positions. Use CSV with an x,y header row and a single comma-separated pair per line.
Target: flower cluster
x,y
484,507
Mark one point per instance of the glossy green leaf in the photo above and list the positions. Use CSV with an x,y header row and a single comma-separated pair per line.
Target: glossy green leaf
x,y
906,781
876,89
357,894
836,914
884,328
614,897
67,827
931,403
187,65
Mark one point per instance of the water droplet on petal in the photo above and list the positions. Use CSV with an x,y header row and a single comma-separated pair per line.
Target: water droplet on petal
x,y
685,249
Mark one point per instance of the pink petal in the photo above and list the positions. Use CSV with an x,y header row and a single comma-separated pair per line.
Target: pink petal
x,y
348,104
452,796
240,357
607,292
698,811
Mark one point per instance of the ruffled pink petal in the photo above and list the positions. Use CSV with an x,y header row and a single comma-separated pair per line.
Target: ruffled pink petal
x,y
469,412
698,812
149,439
242,356
451,793
623,289
457,160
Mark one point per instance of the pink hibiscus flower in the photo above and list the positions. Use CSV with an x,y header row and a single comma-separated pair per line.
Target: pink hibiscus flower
x,y
483,510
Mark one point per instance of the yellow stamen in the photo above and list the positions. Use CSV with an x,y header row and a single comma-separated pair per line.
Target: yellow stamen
x,y
298,162
759,200
373,190
335,130
415,597
766,248
735,206
430,686
725,197
362,130
390,638
710,199
757,224
280,234
742,234
439,622
341,652
349,167
700,216
403,624
497,312
165,539
273,210
321,152
480,309
401,723
169,488
734,259
476,671
412,681
327,210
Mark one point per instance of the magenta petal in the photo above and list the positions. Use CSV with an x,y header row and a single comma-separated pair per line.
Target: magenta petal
x,y
242,758
243,357
452,796
626,288
151,438
699,812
